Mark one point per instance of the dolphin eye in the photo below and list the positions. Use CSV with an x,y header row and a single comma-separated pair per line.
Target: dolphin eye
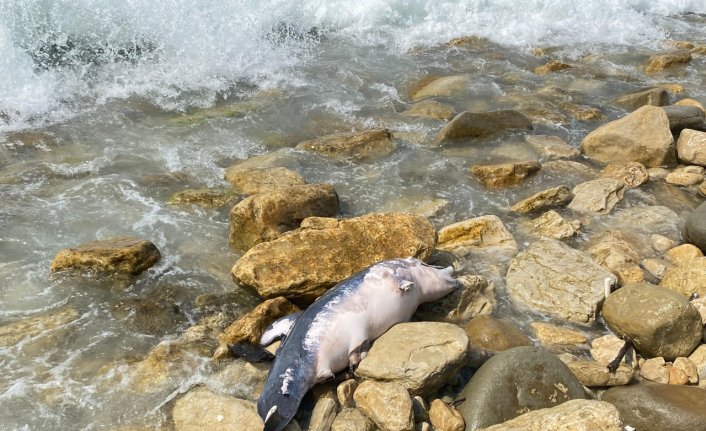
x,y
406,285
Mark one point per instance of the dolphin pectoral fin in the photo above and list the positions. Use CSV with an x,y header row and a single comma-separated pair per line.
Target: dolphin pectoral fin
x,y
357,355
279,328
250,352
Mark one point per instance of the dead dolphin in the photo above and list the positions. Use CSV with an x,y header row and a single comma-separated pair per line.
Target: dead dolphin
x,y
336,330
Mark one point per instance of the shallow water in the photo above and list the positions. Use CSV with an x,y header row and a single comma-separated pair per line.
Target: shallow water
x,y
131,103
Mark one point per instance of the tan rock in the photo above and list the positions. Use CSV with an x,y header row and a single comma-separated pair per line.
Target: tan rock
x,y
698,50
445,86
691,147
657,174
642,136
431,109
206,198
597,196
551,66
543,200
552,225
304,263
684,178
681,254
583,112
612,251
673,87
418,356
660,62
698,357
688,367
662,244
656,267
551,147
677,376
363,146
445,418
13,333
505,174
594,374
604,349
352,420
479,232
266,216
633,174
700,304
687,279
257,180
201,409
387,404
653,97
477,297
655,370
123,254
550,334
702,188
421,205
323,415
238,378
488,336
481,124
344,393
691,102
572,415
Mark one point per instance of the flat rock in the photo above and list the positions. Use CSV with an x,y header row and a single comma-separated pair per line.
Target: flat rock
x,y
201,409
574,415
655,370
266,216
257,180
642,136
684,117
387,404
481,124
595,374
553,335
552,225
555,196
13,333
205,198
633,174
363,146
660,62
306,262
687,279
352,420
681,178
691,147
421,205
653,97
488,336
431,109
123,254
658,321
238,378
478,232
323,415
597,196
557,279
444,86
658,407
419,356
694,231
551,147
476,297
505,174
516,381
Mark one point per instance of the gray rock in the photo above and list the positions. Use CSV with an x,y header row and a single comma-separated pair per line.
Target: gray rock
x,y
480,124
543,200
362,146
352,420
659,407
658,321
575,415
691,147
695,227
516,381
684,117
555,278
476,297
595,374
653,96
597,196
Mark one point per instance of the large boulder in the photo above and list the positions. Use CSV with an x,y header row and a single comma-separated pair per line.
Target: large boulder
x,y
201,409
516,381
659,407
643,136
695,227
257,180
123,254
659,322
363,146
555,278
691,147
481,124
574,415
420,356
301,265
265,216
488,336
684,117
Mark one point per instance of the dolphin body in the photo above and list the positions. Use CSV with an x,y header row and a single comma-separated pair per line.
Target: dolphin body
x,y
335,332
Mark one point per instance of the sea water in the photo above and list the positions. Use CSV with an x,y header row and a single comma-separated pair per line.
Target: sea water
x,y
132,101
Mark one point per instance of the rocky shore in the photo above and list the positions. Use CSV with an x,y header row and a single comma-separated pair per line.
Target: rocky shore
x,y
464,362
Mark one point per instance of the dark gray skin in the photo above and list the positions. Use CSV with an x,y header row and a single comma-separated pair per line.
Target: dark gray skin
x,y
335,331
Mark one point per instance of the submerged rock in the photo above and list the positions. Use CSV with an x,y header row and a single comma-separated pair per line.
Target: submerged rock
x,y
481,124
478,232
505,174
444,86
660,62
257,180
13,333
551,147
543,200
551,66
633,174
304,263
597,196
362,146
431,109
206,198
553,335
123,254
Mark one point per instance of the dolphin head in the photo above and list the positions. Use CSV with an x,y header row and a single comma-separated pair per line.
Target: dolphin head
x,y
433,281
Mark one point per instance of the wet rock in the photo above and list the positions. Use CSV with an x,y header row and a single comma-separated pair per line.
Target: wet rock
x,y
569,167
613,252
700,304
363,146
239,379
34,139
681,178
659,322
572,415
653,97
657,174
166,364
201,409
691,102
266,216
387,404
543,200
654,370
476,297
505,174
444,86
633,174
583,112
687,279
694,231
698,357
147,315
557,279
431,109
323,415
595,374
352,420
657,407
344,393
643,136
661,243
13,333
304,263
691,147
516,381
488,336
684,117
551,147
478,232
123,254
551,66
258,180
553,335
660,62
424,206
419,356
444,417
206,198
597,196
481,124
681,254
552,225
656,267
250,327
